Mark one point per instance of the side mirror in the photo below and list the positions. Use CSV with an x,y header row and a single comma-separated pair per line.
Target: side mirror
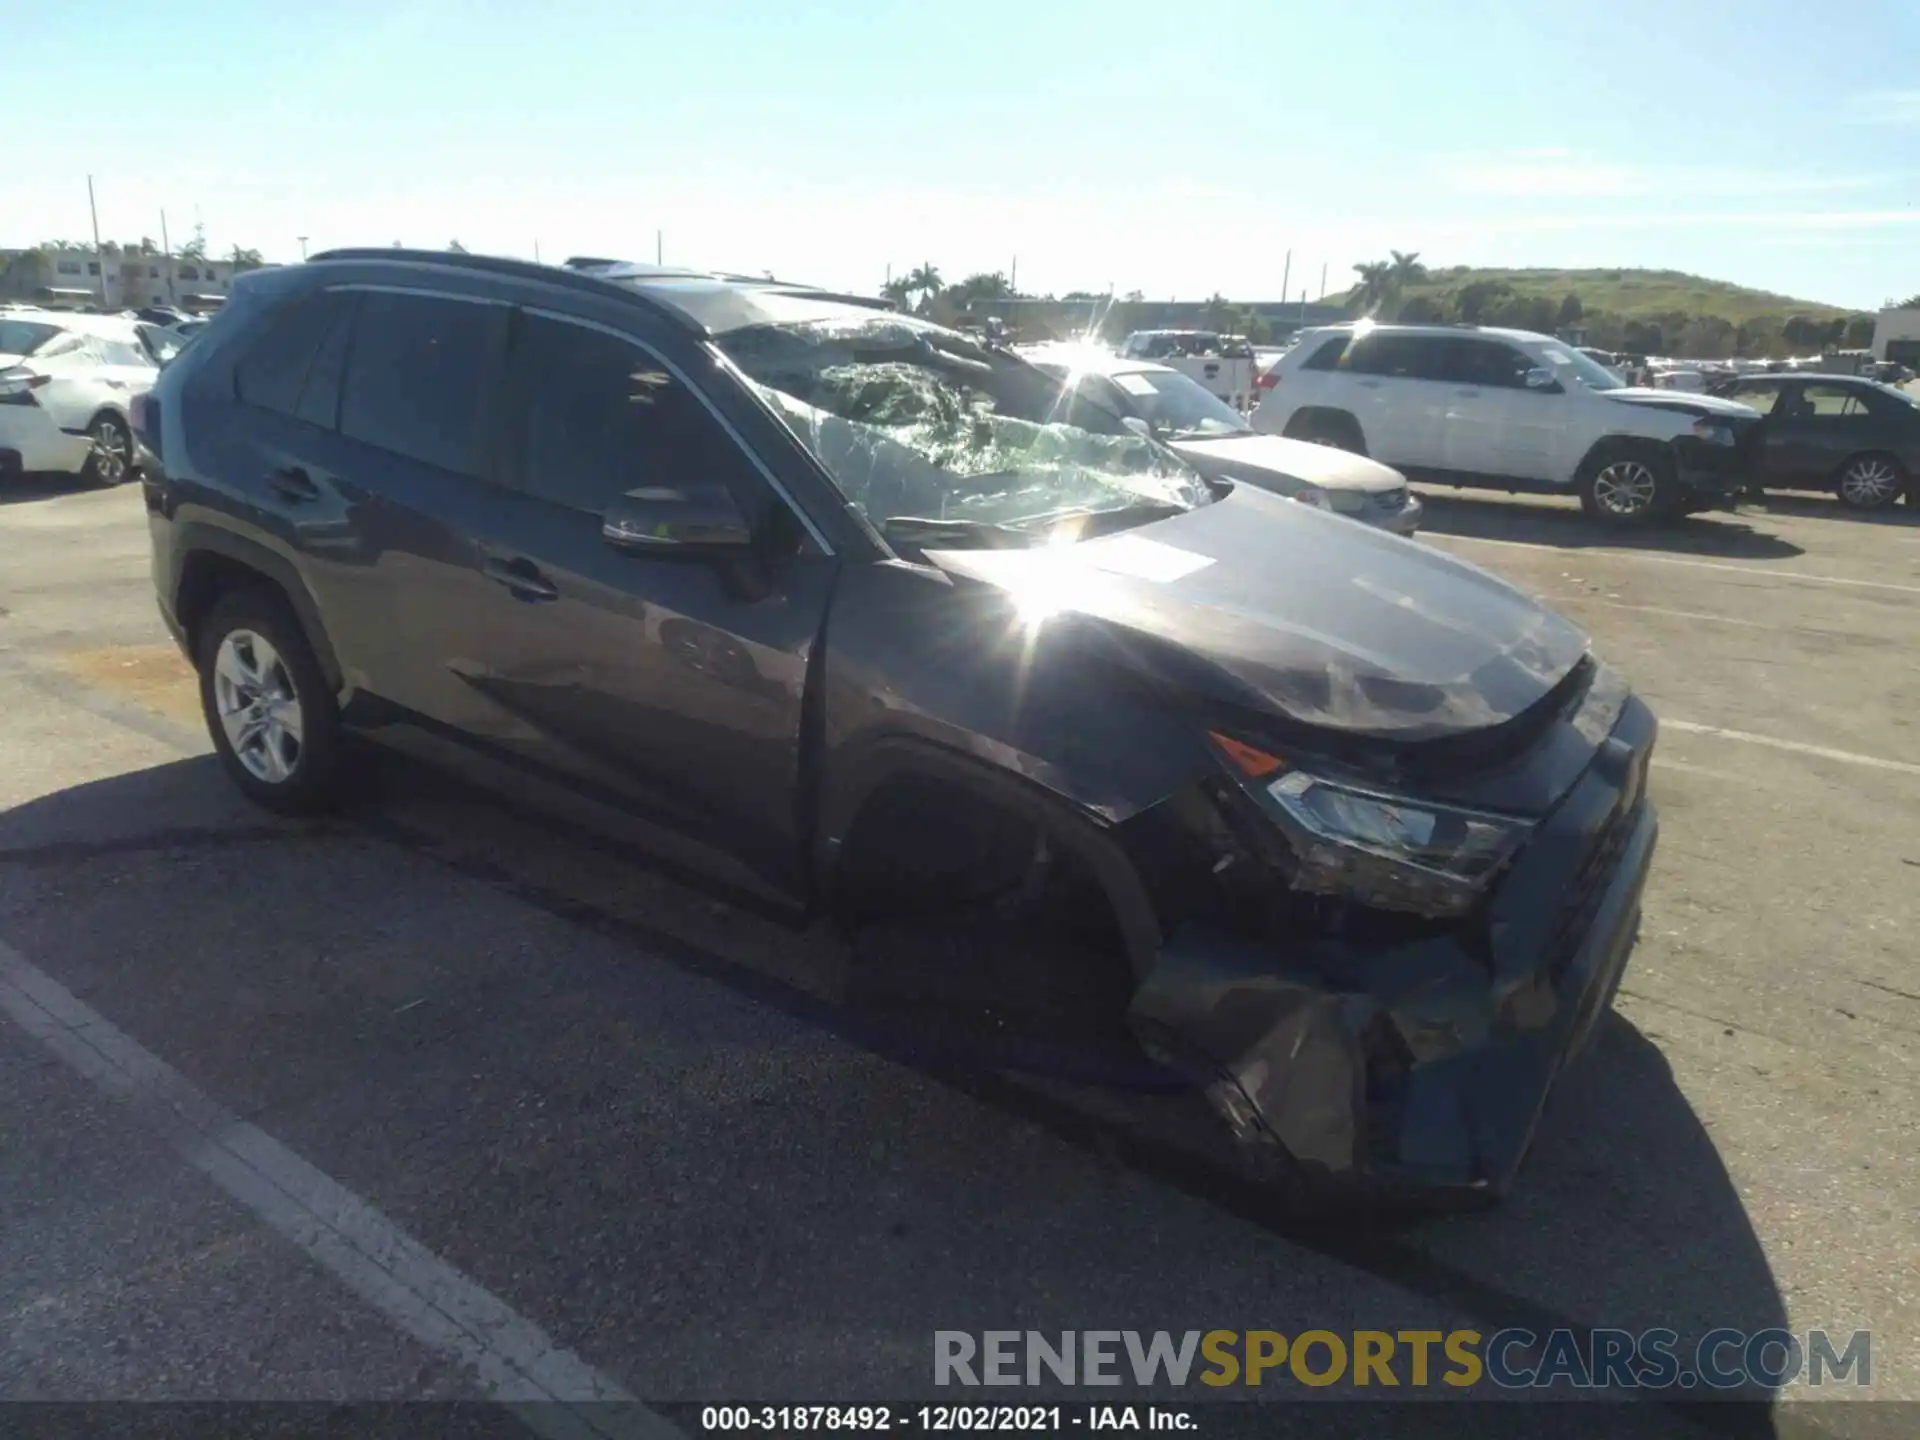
x,y
1138,426
1540,378
690,520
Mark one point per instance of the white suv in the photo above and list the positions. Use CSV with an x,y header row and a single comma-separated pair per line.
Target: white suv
x,y
67,386
1509,410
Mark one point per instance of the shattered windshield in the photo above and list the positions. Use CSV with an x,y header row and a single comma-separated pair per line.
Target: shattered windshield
x,y
923,429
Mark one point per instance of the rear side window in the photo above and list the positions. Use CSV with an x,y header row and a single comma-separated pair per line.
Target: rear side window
x,y
1327,357
415,375
598,416
1403,357
272,371
1761,397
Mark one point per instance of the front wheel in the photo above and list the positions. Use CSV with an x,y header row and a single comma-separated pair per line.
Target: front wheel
x,y
269,710
1871,482
110,461
1628,487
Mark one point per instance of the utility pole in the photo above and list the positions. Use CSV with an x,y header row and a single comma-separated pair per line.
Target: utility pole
x,y
536,252
166,250
303,245
659,248
99,260
1286,274
1013,275
1323,279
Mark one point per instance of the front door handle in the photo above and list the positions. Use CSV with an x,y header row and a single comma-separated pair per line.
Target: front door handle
x,y
290,482
521,577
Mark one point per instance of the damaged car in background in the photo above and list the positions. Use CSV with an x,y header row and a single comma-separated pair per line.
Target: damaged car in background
x,y
1088,752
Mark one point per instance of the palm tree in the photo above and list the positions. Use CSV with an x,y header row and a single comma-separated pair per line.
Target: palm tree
x,y
924,281
1405,269
1375,287
897,291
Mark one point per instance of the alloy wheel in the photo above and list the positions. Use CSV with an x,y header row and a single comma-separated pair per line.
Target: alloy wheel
x,y
1625,488
1870,483
258,705
112,451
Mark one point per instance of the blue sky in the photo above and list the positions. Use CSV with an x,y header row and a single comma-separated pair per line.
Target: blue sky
x,y
1148,144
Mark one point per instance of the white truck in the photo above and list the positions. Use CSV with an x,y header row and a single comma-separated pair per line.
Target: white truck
x,y
1222,364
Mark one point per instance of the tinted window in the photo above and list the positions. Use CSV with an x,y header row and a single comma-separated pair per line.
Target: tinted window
x,y
599,416
23,337
1405,357
1327,357
1761,397
1483,362
1833,402
320,397
415,375
274,367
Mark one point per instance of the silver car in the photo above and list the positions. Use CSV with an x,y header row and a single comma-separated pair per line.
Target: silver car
x,y
1217,441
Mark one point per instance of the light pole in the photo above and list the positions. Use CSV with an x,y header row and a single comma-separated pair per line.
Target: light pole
x,y
303,245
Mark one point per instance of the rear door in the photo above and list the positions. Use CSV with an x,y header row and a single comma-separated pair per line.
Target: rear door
x,y
362,442
1812,429
674,686
1394,388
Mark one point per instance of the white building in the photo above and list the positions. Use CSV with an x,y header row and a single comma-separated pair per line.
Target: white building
x,y
1896,336
66,279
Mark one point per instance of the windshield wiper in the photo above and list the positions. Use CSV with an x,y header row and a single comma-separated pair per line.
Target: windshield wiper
x,y
930,530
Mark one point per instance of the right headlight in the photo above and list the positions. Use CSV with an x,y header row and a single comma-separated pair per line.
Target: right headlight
x,y
1313,495
1395,852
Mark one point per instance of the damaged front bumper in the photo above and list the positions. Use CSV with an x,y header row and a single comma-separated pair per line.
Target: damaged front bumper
x,y
1425,1064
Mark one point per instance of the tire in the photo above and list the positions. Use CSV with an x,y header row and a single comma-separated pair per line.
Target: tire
x,y
1870,482
253,656
1630,485
110,461
1339,431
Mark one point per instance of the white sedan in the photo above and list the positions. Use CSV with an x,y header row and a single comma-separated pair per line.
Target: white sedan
x,y
67,386
1217,441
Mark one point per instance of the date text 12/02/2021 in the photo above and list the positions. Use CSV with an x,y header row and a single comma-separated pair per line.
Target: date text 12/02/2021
x,y
938,1419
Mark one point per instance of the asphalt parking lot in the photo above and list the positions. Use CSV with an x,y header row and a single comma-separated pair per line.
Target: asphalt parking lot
x,y
622,1129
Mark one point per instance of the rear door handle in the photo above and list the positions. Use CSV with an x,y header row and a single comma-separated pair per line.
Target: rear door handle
x,y
292,483
522,577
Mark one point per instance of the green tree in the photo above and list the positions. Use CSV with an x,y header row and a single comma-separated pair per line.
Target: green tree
x,y
1801,333
1707,337
1404,270
984,286
456,248
1859,332
196,248
1571,313
1479,298
1375,287
1217,315
1423,310
244,259
896,291
924,281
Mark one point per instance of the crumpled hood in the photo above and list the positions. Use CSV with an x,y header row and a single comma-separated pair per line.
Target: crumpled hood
x,y
1693,402
1264,458
1258,602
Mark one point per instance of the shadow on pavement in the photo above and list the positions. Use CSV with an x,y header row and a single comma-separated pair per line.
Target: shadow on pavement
x,y
553,1095
1827,507
1551,523
39,485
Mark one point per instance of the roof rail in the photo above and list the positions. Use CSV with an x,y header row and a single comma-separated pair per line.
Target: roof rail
x,y
500,265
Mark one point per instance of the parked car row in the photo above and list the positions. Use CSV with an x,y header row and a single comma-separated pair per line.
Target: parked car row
x,y
68,386
1511,410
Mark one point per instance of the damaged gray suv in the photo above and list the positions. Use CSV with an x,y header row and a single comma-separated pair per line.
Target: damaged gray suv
x,y
868,620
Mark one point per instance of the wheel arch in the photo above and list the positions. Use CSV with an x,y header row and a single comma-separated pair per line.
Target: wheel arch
x,y
214,561
1333,417
862,781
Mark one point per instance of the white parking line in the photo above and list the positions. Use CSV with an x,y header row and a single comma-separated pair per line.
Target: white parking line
x,y
1690,727
517,1363
1680,614
1751,571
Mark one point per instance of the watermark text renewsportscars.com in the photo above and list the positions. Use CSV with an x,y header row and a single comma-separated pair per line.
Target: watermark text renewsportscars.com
x,y
1511,1359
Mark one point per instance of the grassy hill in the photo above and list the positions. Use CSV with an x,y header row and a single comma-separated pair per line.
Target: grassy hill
x,y
1630,294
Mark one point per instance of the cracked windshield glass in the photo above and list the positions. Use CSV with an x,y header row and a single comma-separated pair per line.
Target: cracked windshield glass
x,y
923,430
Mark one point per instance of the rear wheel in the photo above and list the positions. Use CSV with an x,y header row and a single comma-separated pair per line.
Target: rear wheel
x,y
1871,482
269,711
1331,428
110,461
1629,486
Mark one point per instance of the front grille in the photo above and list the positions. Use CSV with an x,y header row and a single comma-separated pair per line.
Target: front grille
x,y
1582,900
1391,500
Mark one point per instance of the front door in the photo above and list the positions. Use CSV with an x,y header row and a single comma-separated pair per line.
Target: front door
x,y
674,686
1399,397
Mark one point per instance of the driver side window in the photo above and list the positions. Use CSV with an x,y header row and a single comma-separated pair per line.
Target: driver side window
x,y
598,416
